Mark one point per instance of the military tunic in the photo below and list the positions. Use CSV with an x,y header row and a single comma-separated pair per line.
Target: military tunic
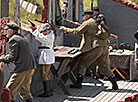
x,y
46,55
94,49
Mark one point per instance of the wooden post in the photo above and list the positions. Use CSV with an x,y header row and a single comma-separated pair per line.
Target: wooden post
x,y
77,11
45,10
17,13
4,8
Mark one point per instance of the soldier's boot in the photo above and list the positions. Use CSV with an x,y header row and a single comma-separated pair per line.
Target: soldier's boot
x,y
113,80
77,84
29,100
47,89
51,91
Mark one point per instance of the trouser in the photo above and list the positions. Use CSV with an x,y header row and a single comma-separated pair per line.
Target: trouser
x,y
20,83
45,72
1,81
100,55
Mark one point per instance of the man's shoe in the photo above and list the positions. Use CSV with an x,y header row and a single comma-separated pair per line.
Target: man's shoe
x,y
29,100
47,89
114,82
76,85
45,95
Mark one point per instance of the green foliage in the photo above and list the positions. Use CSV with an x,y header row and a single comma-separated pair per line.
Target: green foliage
x,y
24,15
87,4
135,1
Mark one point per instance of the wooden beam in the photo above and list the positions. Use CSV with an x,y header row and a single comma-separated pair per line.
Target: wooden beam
x,y
4,8
17,13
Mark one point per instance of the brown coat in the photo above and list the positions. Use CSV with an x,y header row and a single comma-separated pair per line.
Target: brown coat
x,y
89,38
20,53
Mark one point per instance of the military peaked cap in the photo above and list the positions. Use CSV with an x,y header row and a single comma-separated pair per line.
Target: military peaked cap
x,y
87,12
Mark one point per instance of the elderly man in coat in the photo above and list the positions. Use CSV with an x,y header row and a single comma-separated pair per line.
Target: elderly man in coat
x,y
20,54
46,55
94,49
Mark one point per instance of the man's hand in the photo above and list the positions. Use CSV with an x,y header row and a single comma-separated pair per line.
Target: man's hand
x,y
33,28
62,28
1,59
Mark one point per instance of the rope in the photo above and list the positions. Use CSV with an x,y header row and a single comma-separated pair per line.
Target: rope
x,y
124,2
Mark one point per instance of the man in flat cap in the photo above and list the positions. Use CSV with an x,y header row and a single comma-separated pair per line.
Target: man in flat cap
x,y
94,49
20,54
46,55
97,15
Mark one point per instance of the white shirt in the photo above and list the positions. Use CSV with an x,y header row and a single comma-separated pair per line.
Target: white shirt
x,y
46,56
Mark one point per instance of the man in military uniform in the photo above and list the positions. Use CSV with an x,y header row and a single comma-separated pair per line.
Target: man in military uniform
x,y
20,54
93,49
46,55
96,15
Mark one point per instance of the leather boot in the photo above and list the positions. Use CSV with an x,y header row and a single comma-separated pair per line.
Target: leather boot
x,y
77,84
113,80
29,100
50,88
47,90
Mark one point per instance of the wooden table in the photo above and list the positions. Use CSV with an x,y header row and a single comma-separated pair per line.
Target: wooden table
x,y
65,56
124,61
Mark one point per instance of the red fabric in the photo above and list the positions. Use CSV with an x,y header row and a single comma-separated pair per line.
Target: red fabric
x,y
27,32
3,22
45,10
5,96
133,6
40,27
128,99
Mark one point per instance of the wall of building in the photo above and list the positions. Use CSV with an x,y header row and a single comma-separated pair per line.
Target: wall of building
x,y
70,40
122,20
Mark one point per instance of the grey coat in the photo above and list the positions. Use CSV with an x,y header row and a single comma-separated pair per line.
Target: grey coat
x,y
20,53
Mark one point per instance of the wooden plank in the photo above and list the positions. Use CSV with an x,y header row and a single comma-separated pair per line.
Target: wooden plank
x,y
62,68
4,8
92,93
122,91
113,93
61,82
132,90
72,77
63,51
104,94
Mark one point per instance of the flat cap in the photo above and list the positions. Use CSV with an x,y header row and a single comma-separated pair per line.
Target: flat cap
x,y
45,27
13,26
87,12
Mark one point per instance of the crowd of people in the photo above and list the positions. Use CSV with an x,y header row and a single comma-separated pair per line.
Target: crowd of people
x,y
93,48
